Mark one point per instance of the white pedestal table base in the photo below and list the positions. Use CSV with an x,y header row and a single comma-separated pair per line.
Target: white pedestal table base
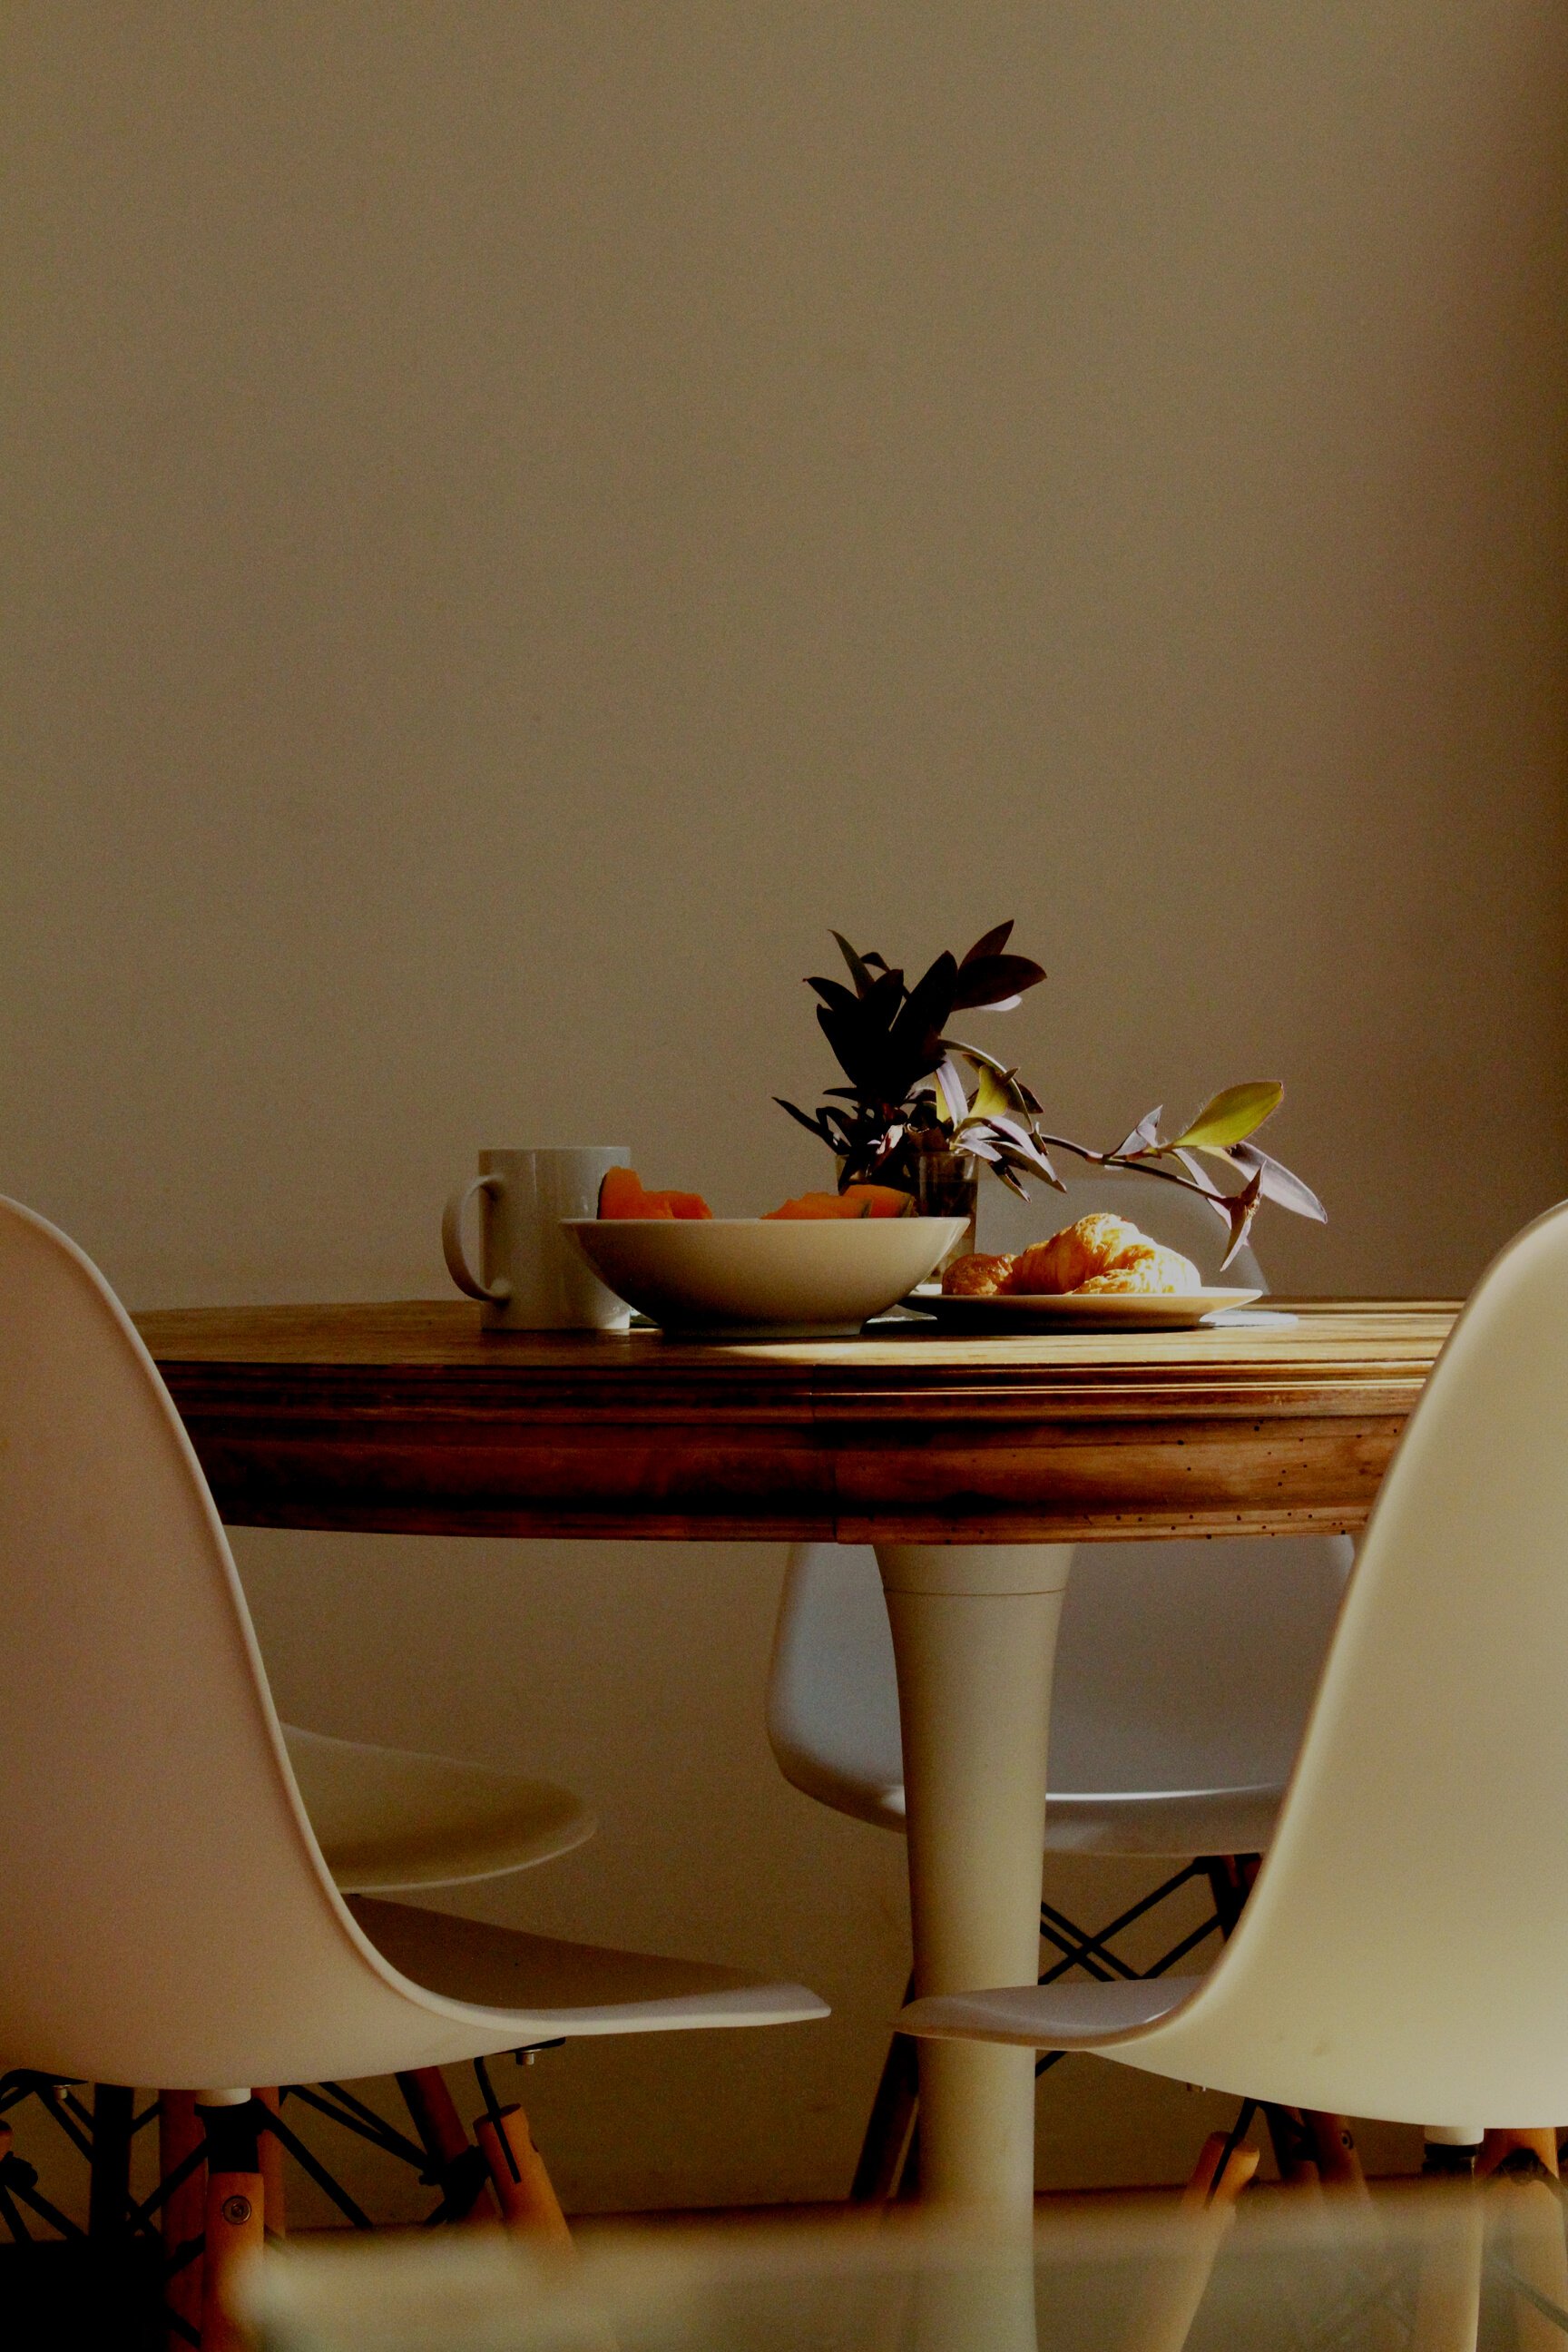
x,y
975,1633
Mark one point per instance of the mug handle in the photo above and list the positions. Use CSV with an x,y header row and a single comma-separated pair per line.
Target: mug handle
x,y
452,1242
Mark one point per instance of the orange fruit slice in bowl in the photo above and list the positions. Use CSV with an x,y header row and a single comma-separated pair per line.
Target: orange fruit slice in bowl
x,y
623,1195
855,1201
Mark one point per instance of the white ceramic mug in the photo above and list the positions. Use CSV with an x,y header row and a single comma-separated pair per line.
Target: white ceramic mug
x,y
534,1278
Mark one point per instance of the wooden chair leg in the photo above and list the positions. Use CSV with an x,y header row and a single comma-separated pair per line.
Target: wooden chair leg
x,y
523,2188
1499,2146
444,2136
235,2216
1168,2302
183,2212
1295,2149
271,2152
1334,2152
1448,2288
1210,2186
1527,2219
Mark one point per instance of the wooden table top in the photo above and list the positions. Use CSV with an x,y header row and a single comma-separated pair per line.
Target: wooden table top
x,y
408,1418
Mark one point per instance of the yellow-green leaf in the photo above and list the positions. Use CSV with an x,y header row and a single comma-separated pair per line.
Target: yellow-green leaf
x,y
1232,1114
992,1098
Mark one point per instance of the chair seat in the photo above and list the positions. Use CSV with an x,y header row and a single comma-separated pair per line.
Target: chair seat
x,y
549,1986
389,1820
1075,2016
1167,1823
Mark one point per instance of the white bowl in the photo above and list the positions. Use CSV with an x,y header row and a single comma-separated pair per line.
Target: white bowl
x,y
786,1277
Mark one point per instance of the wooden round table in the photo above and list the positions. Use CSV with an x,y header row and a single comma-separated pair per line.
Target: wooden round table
x,y
973,1465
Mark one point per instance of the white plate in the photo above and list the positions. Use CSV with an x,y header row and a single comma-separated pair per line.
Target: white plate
x,y
1100,1311
764,1276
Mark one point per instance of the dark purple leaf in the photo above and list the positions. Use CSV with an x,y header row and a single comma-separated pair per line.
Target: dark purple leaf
x,y
992,943
983,985
1240,1208
833,992
817,1126
1019,1137
949,1086
1201,1177
859,1030
1144,1136
914,1041
1038,1164
1278,1184
884,1150
857,963
981,1060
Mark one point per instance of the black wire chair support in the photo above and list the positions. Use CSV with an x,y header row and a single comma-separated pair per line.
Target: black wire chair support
x,y
102,2136
1089,1950
890,2153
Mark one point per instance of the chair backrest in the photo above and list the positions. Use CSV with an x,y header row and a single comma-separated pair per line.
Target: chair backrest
x,y
1180,1665
167,1918
832,1693
1402,1954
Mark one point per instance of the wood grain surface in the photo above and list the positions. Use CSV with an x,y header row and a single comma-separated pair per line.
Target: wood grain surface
x,y
406,1418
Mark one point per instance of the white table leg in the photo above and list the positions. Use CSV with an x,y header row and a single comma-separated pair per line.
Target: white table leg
x,y
975,1632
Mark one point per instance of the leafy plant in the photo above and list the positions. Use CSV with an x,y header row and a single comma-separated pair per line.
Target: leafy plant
x,y
908,1093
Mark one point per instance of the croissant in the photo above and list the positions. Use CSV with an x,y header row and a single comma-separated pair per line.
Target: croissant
x,y
1106,1255
1100,1254
975,1277
1153,1272
1093,1246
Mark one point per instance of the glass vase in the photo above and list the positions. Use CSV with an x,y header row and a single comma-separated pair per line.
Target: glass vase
x,y
947,1184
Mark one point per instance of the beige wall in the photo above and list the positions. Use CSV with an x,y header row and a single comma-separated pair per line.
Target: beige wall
x,y
516,518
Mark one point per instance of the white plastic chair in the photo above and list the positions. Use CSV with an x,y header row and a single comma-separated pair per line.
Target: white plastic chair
x,y
390,1820
171,1917
1184,1673
1401,1953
